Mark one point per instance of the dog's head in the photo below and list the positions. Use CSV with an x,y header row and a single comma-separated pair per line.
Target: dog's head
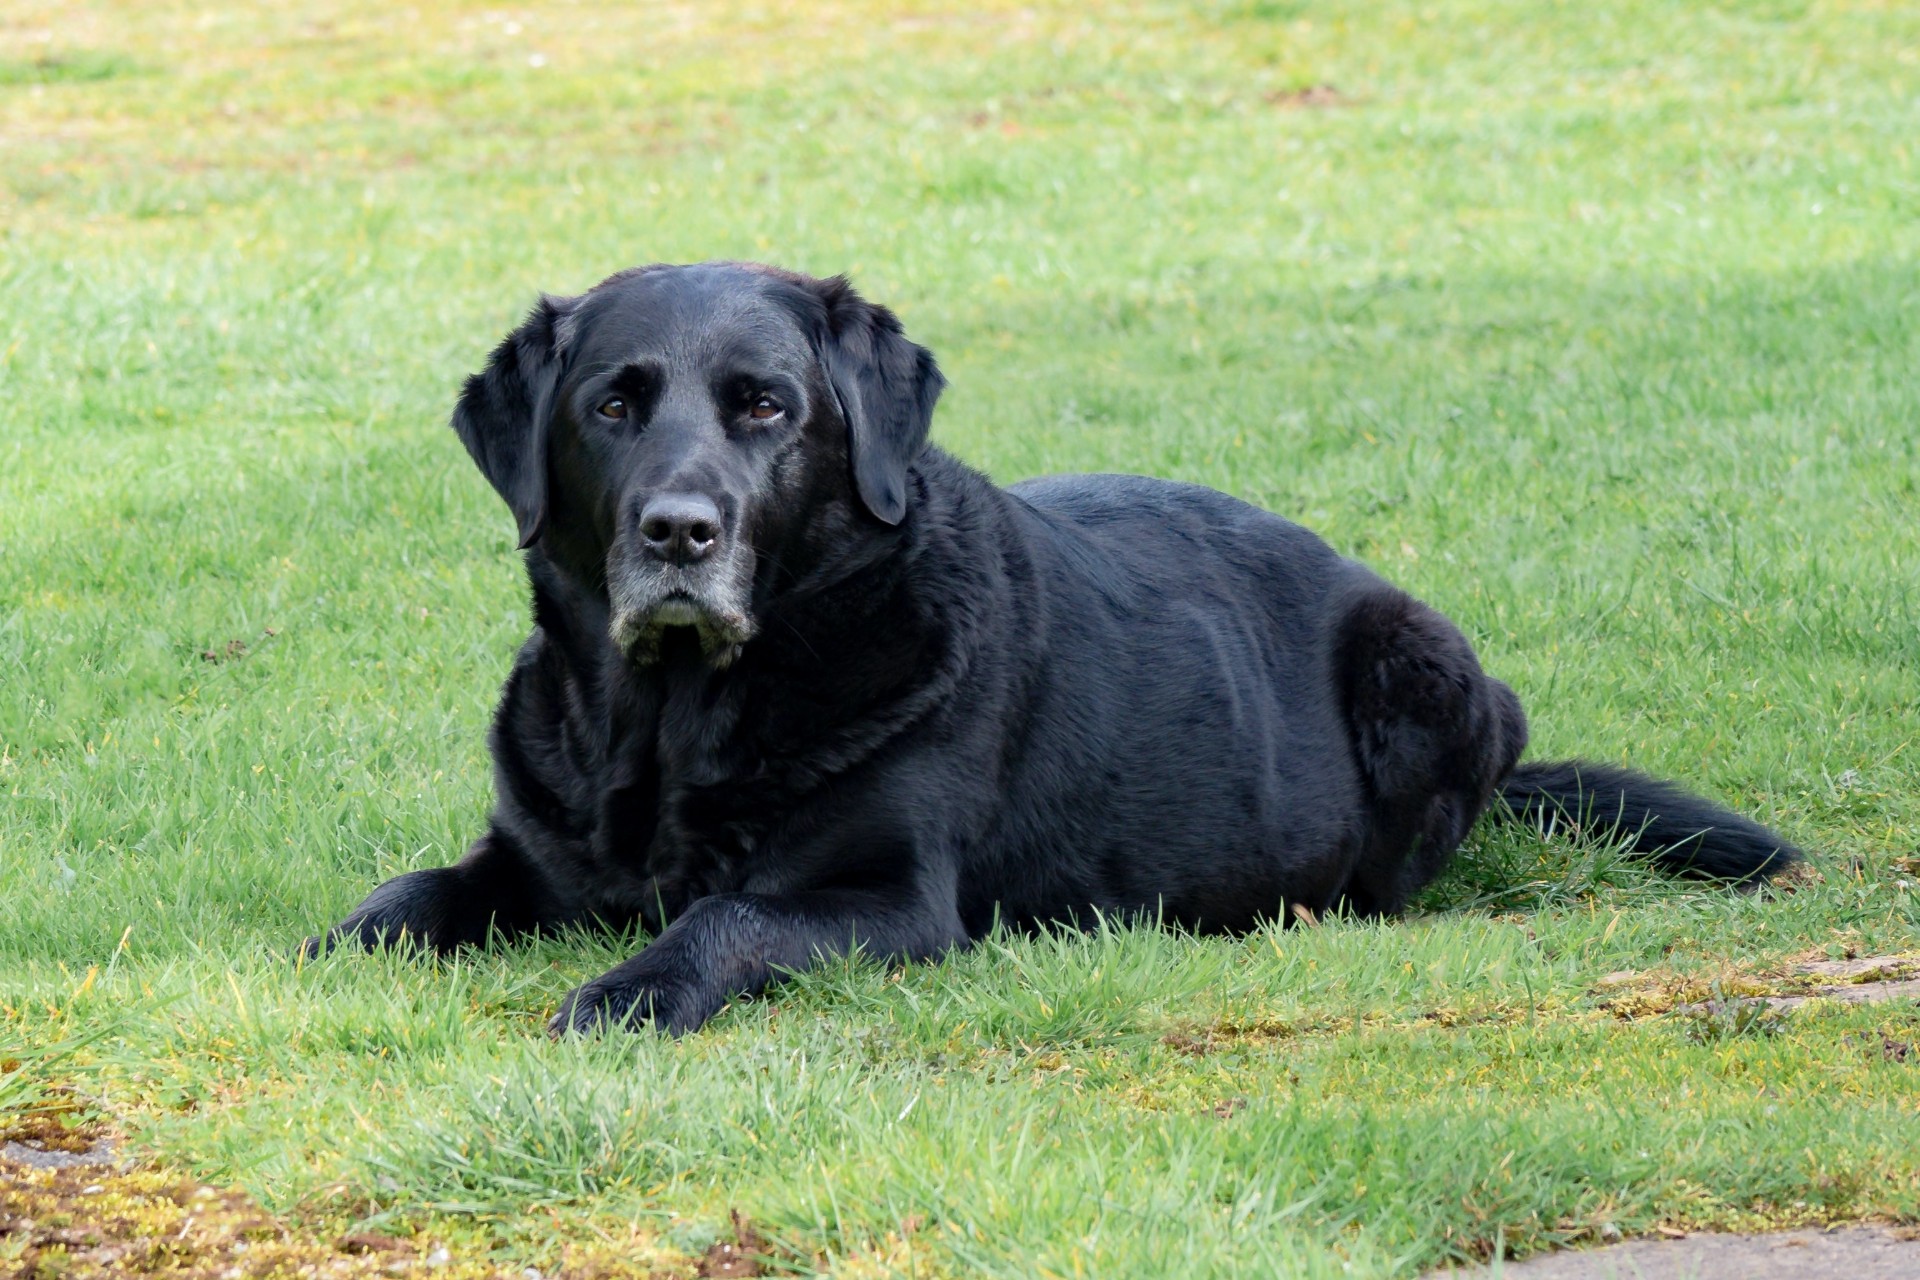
x,y
676,435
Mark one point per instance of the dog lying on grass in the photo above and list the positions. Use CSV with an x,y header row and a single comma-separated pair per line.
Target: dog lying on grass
x,y
800,682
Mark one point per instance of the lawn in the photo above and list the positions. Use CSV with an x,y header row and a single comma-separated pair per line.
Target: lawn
x,y
1597,326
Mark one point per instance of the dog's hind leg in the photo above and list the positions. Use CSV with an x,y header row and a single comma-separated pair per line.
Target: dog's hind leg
x,y
1433,736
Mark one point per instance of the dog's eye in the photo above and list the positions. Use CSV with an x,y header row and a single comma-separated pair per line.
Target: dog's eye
x,y
764,409
615,408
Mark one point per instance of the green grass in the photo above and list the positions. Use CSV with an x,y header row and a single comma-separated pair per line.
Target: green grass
x,y
1595,326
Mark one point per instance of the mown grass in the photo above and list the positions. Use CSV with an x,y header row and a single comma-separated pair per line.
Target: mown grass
x,y
1594,325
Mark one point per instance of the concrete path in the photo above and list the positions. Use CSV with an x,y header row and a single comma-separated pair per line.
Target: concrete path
x,y
1848,1253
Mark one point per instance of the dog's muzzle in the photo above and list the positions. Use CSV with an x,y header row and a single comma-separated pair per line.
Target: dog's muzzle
x,y
651,598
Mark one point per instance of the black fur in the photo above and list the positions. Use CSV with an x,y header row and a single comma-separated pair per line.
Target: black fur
x,y
886,703
1680,831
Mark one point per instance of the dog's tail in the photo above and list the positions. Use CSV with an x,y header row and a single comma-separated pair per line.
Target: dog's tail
x,y
1680,831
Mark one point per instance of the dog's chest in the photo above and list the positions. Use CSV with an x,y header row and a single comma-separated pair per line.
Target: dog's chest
x,y
710,784
693,810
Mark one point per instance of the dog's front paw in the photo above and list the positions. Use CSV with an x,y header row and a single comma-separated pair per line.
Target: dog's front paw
x,y
628,998
368,935
415,911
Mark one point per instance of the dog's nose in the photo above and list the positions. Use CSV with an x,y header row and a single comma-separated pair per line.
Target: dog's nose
x,y
680,528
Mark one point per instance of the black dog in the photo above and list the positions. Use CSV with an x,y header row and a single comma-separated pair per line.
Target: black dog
x,y
799,682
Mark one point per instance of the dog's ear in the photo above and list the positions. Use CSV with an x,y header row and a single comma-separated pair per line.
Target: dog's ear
x,y
887,387
503,411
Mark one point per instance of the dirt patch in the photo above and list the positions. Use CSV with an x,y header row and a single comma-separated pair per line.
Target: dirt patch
x,y
88,1214
73,1206
1200,1040
233,649
1731,997
1203,1041
92,1220
1866,980
1888,1049
1312,97
1214,1037
371,1242
53,1127
1857,980
740,1256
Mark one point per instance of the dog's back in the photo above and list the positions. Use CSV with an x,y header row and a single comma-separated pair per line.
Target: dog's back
x,y
1186,728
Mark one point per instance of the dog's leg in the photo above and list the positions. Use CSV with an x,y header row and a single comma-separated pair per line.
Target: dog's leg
x,y
737,943
490,890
